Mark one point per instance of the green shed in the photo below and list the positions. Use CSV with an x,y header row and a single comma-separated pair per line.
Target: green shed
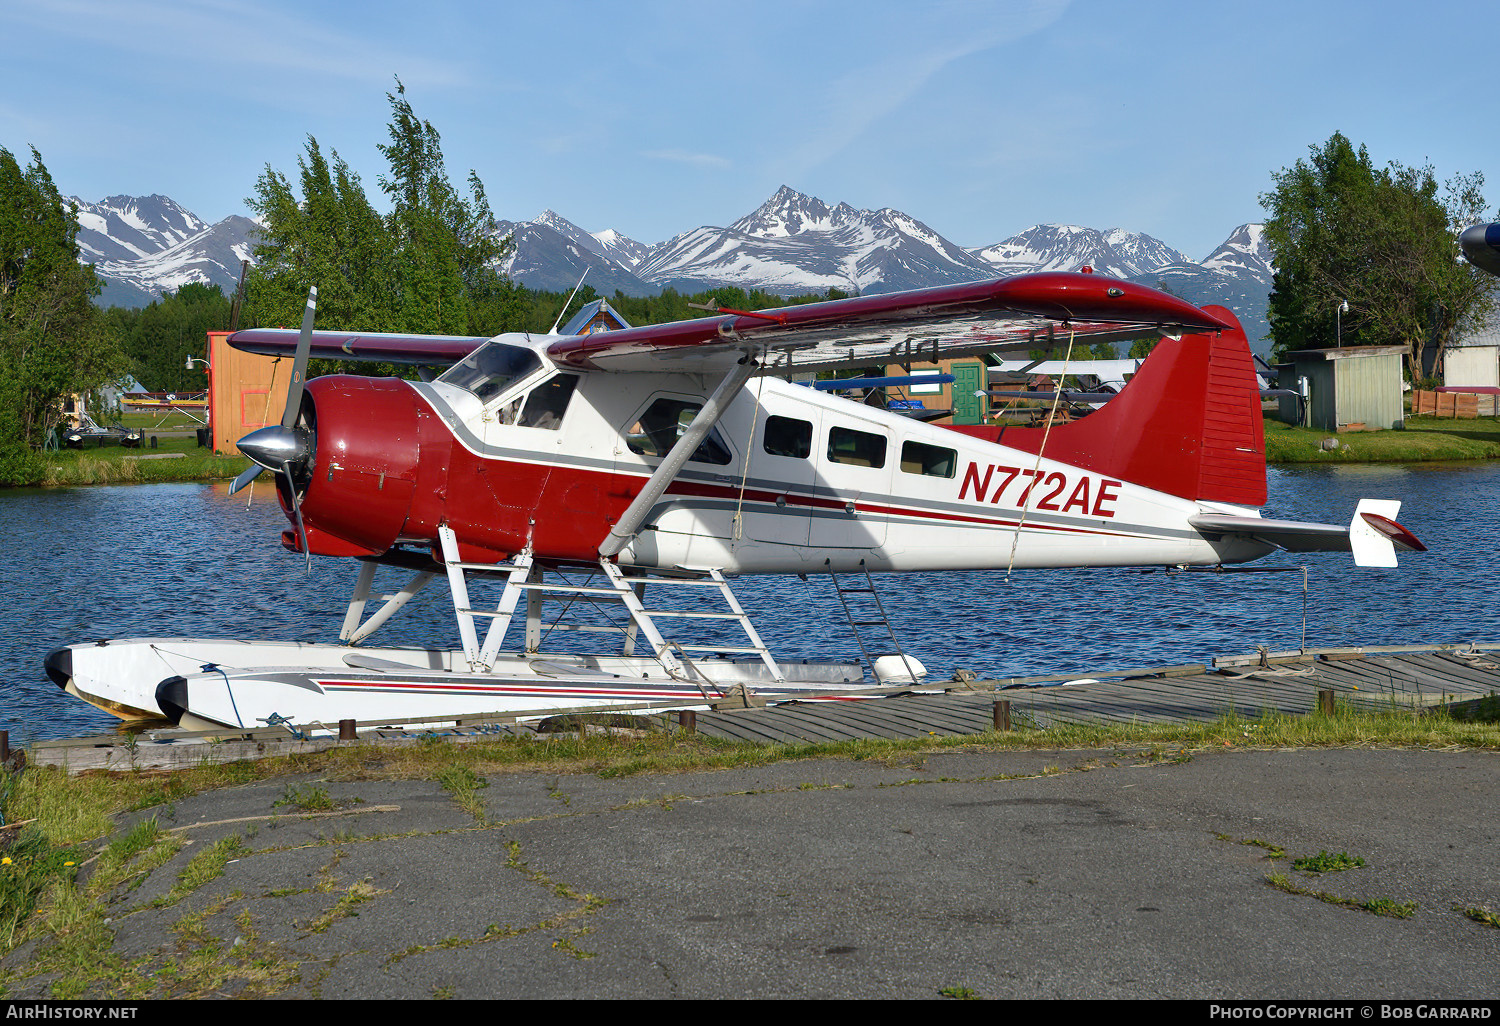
x,y
1352,385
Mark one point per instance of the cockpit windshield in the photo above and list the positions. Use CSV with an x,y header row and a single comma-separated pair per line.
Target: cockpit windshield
x,y
490,369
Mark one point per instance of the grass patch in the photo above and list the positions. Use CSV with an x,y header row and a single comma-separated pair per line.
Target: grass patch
x,y
306,797
117,465
29,868
69,810
463,785
203,868
1423,439
41,898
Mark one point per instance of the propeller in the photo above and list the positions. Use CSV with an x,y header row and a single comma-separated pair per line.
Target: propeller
x,y
285,448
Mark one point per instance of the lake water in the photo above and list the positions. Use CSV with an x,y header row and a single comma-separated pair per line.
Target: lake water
x,y
189,560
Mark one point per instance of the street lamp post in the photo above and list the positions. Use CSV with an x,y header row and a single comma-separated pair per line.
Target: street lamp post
x,y
1338,322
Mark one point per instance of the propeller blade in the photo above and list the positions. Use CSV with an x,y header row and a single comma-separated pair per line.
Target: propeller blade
x,y
246,476
286,468
299,362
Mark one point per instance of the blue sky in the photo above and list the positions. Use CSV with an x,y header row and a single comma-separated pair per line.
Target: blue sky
x,y
979,119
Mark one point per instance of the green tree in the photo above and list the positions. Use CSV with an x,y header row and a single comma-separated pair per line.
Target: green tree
x,y
160,337
330,237
427,266
1381,239
447,245
53,341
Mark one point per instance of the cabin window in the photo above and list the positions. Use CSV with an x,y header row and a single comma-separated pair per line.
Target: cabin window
x,y
664,422
856,448
931,460
491,369
787,436
548,402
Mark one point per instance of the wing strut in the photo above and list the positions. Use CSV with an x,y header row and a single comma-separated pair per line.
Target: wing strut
x,y
634,517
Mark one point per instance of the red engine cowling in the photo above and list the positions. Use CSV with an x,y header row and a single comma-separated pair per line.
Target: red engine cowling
x,y
358,494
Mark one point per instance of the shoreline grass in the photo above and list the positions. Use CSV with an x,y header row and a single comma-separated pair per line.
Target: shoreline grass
x,y
1422,440
114,465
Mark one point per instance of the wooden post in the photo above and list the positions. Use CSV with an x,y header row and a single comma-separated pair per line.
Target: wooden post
x,y
1001,715
1325,703
687,719
347,731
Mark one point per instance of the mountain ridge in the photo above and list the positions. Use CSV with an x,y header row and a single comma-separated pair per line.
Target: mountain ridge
x,y
791,244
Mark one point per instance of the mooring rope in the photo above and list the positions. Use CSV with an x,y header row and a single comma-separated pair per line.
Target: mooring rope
x,y
737,525
1046,433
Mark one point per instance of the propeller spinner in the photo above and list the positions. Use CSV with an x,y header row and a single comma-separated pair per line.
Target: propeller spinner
x,y
286,448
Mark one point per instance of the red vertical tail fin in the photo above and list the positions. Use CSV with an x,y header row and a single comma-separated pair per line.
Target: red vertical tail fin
x,y
1188,423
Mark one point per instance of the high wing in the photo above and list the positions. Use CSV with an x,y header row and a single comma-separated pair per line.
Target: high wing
x,y
1018,313
429,350
1022,313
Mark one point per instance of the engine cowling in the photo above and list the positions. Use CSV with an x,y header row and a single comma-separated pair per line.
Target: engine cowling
x,y
357,495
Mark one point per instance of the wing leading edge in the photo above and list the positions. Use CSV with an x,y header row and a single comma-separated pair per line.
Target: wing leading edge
x,y
381,347
1024,312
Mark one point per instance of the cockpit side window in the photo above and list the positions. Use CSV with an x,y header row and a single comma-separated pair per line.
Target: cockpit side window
x,y
490,369
548,402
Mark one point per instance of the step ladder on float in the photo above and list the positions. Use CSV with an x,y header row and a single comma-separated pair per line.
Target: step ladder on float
x,y
524,579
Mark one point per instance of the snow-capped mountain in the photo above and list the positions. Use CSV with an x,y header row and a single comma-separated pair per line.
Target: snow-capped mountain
x,y
212,256
1067,247
143,246
792,244
131,227
622,249
551,253
797,244
1245,252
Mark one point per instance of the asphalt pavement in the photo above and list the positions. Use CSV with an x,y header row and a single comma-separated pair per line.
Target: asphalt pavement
x,y
1049,874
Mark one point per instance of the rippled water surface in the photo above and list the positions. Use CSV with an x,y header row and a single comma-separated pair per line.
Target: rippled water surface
x,y
188,560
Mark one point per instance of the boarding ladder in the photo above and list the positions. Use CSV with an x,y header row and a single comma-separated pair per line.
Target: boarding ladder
x,y
523,577
873,615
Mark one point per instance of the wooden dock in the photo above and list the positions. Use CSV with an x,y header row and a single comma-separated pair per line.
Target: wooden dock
x,y
1404,677
1415,676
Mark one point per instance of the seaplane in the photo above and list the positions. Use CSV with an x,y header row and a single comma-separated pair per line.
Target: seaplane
x,y
678,457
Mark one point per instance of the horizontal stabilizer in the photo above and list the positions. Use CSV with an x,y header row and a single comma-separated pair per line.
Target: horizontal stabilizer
x,y
1372,535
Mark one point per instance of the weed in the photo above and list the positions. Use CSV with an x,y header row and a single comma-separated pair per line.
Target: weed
x,y
1273,851
308,798
1479,914
1387,907
1325,862
355,894
461,783
202,868
567,947
29,867
959,993
1377,906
